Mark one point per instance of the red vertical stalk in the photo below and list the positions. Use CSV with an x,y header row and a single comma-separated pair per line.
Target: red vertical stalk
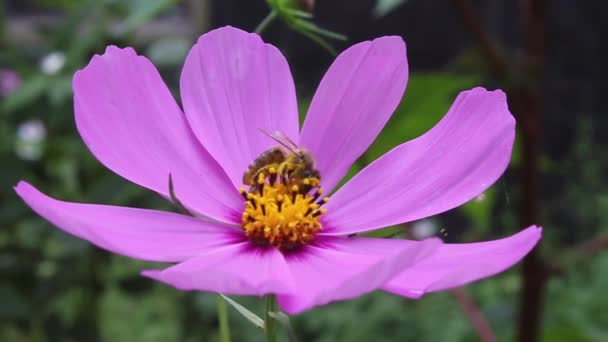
x,y
528,103
478,320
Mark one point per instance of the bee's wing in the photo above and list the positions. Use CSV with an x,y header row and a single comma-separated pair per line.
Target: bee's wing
x,y
282,139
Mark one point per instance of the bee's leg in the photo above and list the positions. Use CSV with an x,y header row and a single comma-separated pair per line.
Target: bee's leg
x,y
261,177
281,169
282,172
272,177
180,207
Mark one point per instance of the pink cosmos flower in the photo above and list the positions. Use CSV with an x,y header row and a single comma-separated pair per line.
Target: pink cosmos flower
x,y
280,235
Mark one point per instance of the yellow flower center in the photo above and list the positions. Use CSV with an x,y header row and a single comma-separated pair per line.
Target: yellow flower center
x,y
283,203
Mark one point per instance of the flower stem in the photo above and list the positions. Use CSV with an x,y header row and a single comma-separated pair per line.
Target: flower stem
x,y
222,316
319,41
270,323
264,24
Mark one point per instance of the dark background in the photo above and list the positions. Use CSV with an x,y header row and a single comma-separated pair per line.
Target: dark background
x,y
545,54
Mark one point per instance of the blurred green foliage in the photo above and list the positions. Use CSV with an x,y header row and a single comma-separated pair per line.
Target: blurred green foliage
x,y
54,287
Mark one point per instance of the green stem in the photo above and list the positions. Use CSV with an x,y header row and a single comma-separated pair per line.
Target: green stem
x,y
264,24
270,323
319,41
222,316
309,26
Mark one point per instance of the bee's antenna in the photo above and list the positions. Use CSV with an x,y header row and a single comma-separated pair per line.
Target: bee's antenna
x,y
282,139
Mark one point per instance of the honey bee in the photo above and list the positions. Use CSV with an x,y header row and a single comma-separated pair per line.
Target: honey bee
x,y
297,164
274,156
300,164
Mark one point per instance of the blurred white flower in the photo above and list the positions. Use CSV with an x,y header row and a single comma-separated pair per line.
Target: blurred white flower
x,y
30,138
384,7
52,63
481,197
423,229
9,81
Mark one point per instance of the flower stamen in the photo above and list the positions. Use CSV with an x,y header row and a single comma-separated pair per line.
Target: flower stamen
x,y
282,207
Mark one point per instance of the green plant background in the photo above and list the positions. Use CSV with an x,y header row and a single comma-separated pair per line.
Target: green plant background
x,y
54,287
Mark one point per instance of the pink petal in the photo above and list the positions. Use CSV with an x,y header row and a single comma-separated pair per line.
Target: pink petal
x,y
342,268
138,233
233,85
354,101
132,124
240,269
454,265
455,161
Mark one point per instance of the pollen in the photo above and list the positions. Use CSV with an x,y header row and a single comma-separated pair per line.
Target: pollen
x,y
283,209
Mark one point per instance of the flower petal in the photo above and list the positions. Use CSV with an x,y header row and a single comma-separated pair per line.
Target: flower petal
x,y
455,161
132,124
354,101
341,268
138,233
233,85
454,265
240,269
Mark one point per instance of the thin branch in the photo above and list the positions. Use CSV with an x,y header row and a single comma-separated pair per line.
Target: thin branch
x,y
593,246
578,253
265,22
485,42
474,314
527,102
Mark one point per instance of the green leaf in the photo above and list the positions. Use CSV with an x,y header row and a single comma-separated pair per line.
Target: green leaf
x,y
123,317
14,305
169,51
250,316
141,11
298,13
31,89
426,100
313,28
290,13
61,91
61,4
